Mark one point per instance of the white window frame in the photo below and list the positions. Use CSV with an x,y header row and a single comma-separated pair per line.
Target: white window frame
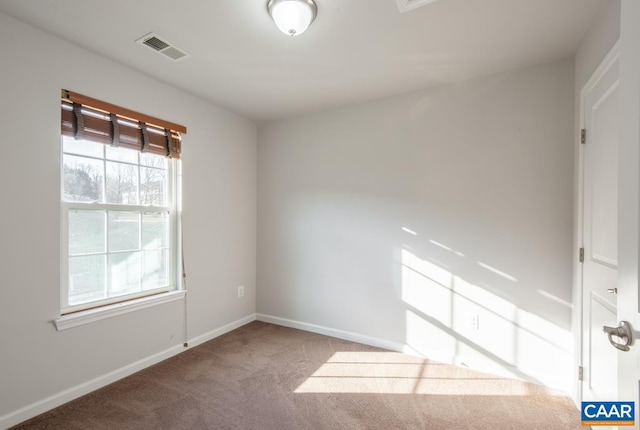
x,y
72,315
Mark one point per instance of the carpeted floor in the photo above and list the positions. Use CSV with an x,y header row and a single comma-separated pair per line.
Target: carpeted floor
x,y
267,377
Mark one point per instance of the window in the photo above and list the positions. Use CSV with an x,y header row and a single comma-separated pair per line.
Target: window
x,y
119,205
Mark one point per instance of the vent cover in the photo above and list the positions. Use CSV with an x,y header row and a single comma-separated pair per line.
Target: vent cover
x,y
162,46
407,5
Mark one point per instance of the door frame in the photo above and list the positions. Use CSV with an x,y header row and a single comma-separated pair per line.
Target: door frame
x,y
578,317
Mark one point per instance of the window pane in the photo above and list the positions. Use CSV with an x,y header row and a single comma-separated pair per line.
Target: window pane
x,y
153,185
83,178
82,147
124,273
153,160
155,228
124,231
122,154
122,183
154,269
86,232
86,279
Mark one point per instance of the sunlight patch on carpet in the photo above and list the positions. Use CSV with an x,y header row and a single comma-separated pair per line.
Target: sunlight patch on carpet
x,y
395,373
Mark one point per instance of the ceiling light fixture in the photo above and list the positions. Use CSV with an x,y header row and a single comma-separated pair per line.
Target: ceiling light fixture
x,y
292,16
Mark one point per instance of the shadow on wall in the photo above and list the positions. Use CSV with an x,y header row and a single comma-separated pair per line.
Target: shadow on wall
x,y
453,320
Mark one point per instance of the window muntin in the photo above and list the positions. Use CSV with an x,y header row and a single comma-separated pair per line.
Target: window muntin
x,y
119,224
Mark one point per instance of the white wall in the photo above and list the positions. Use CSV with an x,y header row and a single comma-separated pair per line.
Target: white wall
x,y
219,162
480,171
602,35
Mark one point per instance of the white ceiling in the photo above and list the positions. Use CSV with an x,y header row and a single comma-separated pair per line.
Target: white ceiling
x,y
356,50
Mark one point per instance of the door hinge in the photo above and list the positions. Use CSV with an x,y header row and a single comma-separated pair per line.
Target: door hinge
x,y
580,373
583,136
581,255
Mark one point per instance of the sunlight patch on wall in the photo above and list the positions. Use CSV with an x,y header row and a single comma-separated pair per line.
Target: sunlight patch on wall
x,y
497,272
429,338
555,299
453,320
426,269
445,247
427,295
408,230
540,343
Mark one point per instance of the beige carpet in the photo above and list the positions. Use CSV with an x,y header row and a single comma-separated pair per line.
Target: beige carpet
x,y
265,377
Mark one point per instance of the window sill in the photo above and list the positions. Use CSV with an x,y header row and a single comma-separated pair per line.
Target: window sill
x,y
93,315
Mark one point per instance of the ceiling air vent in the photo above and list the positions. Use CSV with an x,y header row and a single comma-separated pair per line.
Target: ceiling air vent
x,y
407,5
162,46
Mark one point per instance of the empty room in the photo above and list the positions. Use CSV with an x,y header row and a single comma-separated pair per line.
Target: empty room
x,y
320,214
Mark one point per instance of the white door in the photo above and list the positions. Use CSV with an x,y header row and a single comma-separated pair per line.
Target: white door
x,y
629,199
600,117
627,259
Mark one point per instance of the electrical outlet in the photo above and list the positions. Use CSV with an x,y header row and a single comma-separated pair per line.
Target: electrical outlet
x,y
241,291
473,320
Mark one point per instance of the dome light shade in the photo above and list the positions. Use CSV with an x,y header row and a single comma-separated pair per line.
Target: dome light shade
x,y
292,17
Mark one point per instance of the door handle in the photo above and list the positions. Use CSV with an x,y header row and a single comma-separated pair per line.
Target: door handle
x,y
623,331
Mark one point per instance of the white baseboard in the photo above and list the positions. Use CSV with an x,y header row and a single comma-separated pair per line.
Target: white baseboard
x,y
434,355
357,337
65,396
333,332
41,406
221,330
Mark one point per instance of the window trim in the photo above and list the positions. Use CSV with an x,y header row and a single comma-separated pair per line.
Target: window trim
x,y
174,174
109,123
88,316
